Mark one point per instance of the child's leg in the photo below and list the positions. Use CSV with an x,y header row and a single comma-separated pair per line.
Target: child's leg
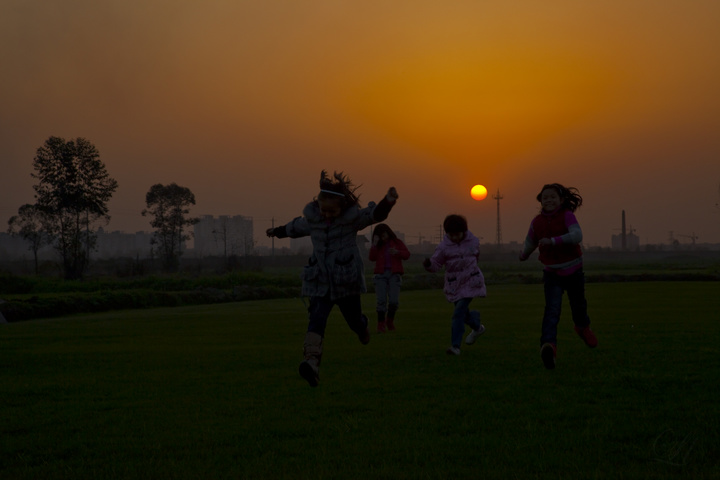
x,y
553,305
381,295
473,318
393,299
576,296
351,308
318,313
578,305
459,317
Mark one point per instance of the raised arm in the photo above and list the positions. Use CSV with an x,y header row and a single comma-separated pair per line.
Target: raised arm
x,y
382,210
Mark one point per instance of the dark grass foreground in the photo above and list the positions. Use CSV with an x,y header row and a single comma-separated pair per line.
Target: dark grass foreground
x,y
212,392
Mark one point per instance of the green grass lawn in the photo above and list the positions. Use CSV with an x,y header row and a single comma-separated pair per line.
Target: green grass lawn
x,y
213,392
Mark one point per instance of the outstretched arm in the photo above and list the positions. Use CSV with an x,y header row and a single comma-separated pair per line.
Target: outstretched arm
x,y
279,232
382,210
298,227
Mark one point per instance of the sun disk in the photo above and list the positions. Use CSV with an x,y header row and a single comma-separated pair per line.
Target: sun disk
x,y
478,192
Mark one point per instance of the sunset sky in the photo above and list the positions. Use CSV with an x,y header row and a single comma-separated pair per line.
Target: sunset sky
x,y
245,102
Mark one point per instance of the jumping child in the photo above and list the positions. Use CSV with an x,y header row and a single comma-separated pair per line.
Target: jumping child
x,y
388,253
458,253
335,272
557,233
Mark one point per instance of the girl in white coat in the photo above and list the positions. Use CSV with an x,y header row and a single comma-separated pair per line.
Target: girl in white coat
x,y
335,274
458,253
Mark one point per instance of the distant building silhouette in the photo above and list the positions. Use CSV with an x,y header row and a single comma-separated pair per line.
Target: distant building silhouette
x,y
223,236
627,240
120,244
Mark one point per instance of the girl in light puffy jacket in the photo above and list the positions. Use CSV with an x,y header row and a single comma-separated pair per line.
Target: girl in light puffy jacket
x,y
335,274
458,253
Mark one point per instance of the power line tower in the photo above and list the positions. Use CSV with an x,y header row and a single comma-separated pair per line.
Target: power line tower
x,y
498,233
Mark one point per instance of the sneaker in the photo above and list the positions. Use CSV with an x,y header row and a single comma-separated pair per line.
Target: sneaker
x,y
309,374
472,336
453,351
587,335
390,325
382,328
548,352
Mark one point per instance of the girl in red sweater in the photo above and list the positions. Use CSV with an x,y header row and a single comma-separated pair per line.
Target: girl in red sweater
x,y
388,253
557,233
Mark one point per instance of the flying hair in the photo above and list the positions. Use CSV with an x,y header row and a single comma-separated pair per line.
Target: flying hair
x,y
570,196
338,186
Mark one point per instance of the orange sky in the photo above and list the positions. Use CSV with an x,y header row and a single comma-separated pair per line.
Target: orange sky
x,y
244,102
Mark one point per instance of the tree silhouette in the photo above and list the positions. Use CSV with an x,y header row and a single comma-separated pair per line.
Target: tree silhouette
x,y
31,224
169,205
72,192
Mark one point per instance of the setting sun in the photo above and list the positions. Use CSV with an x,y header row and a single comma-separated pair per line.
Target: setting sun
x,y
478,192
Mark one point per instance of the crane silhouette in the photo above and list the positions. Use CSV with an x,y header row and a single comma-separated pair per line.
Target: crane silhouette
x,y
692,237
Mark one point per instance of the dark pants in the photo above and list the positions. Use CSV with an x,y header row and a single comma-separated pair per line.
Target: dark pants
x,y
555,286
462,315
350,307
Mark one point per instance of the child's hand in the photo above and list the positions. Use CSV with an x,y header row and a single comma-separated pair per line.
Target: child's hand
x,y
393,250
392,194
375,240
426,263
545,241
270,232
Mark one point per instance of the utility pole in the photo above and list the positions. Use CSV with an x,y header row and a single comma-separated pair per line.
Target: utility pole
x,y
498,233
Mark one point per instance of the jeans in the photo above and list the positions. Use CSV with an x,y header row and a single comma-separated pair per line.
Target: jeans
x,y
350,307
462,315
387,290
555,286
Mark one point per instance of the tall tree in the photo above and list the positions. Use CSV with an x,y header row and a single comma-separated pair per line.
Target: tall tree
x,y
31,224
73,191
169,206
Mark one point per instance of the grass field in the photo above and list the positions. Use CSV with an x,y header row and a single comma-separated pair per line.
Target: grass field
x,y
212,392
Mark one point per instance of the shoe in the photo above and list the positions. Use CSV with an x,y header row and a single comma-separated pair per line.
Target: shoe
x,y
472,336
382,328
309,374
390,324
548,352
365,337
587,335
453,351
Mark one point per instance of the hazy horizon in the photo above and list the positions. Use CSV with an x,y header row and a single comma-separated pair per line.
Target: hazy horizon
x,y
245,102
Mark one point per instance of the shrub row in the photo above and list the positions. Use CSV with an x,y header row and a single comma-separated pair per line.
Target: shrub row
x,y
54,305
106,295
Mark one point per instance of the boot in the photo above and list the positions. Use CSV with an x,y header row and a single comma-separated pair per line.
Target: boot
x,y
382,328
312,351
390,320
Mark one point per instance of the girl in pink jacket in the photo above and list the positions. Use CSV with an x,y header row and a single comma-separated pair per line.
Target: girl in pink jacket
x,y
458,253
388,253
